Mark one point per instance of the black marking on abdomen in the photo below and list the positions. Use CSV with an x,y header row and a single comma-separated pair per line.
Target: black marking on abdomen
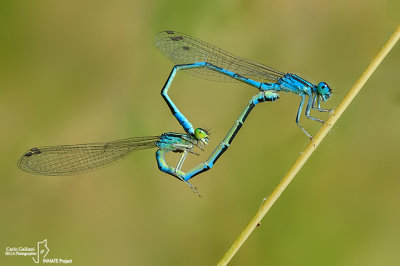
x,y
168,103
251,106
202,171
216,67
239,76
235,132
224,148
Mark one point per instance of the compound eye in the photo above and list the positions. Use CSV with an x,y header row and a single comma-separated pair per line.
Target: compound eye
x,y
323,88
200,134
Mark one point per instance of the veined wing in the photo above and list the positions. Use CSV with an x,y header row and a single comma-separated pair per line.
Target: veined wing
x,y
80,158
183,49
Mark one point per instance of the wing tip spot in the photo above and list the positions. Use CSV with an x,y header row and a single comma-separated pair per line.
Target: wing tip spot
x,y
32,152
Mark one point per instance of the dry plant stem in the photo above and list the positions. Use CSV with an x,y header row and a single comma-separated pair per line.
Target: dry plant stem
x,y
311,147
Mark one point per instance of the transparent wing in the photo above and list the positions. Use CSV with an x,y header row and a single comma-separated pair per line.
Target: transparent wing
x,y
183,49
80,158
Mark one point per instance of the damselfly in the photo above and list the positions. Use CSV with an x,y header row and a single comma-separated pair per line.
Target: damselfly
x,y
207,61
81,158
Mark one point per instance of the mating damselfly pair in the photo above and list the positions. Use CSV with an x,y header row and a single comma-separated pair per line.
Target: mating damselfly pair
x,y
199,59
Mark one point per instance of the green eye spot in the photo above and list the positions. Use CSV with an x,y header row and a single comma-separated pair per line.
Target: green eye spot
x,y
200,134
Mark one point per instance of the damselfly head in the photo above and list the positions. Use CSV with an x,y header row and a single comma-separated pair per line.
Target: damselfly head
x,y
201,135
324,91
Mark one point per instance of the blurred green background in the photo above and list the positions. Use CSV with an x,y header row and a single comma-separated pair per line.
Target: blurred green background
x,y
84,71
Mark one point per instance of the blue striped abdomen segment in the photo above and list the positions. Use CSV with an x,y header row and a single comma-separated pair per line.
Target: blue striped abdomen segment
x,y
225,72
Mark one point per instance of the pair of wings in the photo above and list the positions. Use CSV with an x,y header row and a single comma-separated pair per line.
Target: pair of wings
x,y
183,49
80,158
